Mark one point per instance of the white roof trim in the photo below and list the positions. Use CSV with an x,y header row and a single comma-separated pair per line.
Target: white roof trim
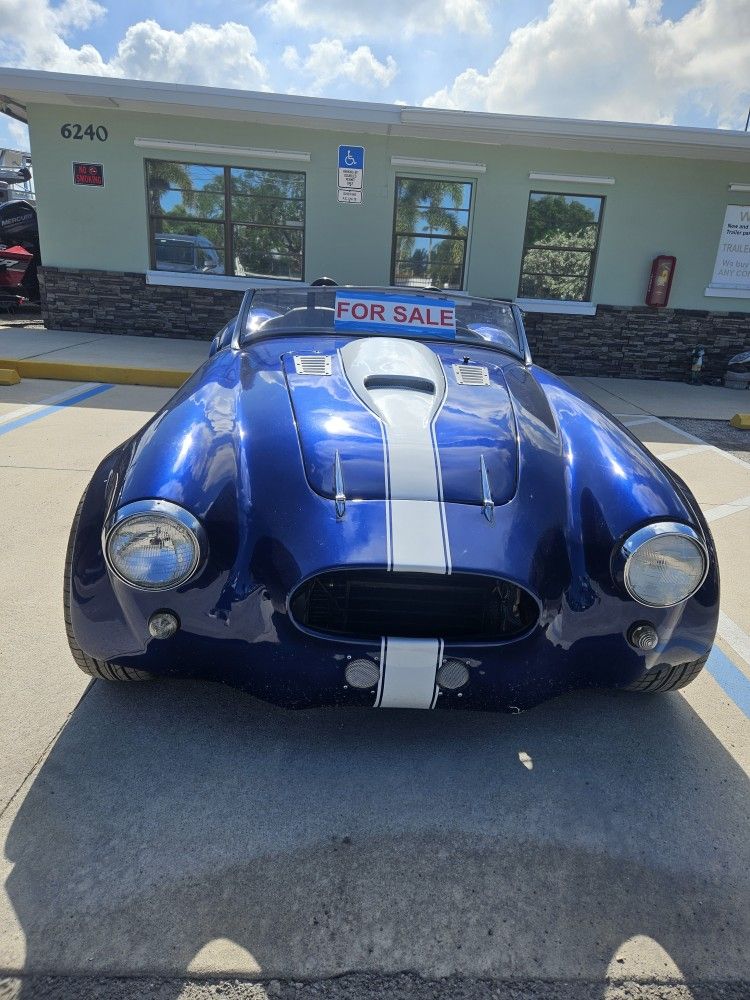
x,y
439,166
21,87
207,147
734,186
534,175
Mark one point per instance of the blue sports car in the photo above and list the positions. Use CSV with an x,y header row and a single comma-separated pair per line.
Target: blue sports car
x,y
372,496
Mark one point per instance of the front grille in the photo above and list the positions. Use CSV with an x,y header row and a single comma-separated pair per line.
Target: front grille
x,y
367,604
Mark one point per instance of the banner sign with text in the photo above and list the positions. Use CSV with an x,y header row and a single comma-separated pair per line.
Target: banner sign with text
x,y
404,314
732,268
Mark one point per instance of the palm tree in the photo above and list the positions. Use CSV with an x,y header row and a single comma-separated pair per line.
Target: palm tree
x,y
164,175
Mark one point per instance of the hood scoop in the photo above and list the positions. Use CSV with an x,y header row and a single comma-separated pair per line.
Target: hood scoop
x,y
398,419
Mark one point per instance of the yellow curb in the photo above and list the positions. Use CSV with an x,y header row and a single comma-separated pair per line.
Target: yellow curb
x,y
9,376
117,374
741,420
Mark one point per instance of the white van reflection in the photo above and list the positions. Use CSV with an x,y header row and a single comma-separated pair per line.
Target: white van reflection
x,y
175,252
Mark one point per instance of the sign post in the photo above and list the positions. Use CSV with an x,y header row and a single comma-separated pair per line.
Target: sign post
x,y
350,175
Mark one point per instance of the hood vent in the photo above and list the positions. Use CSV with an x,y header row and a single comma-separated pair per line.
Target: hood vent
x,y
471,375
312,364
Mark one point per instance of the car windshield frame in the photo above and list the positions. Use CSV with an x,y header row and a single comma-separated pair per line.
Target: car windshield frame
x,y
259,320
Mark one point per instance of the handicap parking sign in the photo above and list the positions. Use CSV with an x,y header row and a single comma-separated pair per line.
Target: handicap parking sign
x,y
351,172
351,157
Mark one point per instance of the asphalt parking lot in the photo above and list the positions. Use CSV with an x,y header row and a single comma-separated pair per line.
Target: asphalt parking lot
x,y
177,839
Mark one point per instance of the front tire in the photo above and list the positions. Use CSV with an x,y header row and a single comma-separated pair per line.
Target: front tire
x,y
663,679
103,669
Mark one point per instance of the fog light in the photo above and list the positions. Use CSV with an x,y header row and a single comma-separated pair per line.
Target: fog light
x,y
643,636
452,674
362,673
163,625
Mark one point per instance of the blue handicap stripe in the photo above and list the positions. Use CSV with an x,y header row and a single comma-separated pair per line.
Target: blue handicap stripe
x,y
53,408
730,679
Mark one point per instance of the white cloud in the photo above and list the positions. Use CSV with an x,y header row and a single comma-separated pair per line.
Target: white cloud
x,y
617,59
34,34
329,60
19,134
381,17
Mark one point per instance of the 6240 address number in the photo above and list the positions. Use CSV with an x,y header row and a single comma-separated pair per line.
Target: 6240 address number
x,y
76,131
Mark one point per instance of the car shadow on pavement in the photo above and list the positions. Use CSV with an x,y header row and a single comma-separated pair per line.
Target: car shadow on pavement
x,y
180,827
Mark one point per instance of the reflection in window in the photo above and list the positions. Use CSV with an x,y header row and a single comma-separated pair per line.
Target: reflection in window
x,y
226,220
430,232
562,236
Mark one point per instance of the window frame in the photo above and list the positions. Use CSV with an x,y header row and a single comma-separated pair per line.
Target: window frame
x,y
226,221
593,253
466,240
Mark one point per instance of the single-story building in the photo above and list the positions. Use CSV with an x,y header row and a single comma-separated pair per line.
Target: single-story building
x,y
160,203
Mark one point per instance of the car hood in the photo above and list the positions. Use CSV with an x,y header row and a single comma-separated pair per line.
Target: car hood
x,y
389,418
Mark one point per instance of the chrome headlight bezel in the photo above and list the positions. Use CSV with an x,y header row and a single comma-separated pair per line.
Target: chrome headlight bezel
x,y
640,537
162,509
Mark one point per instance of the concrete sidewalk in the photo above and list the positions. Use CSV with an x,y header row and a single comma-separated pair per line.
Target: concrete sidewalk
x,y
39,353
115,350
636,396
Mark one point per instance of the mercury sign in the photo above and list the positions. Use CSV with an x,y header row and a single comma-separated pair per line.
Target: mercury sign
x,y
732,268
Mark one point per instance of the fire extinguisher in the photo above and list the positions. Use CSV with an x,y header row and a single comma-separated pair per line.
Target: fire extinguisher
x,y
660,280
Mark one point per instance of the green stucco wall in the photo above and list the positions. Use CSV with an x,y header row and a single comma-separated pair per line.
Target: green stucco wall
x,y
657,205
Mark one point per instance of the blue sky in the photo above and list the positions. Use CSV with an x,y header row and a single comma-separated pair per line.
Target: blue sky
x,y
670,61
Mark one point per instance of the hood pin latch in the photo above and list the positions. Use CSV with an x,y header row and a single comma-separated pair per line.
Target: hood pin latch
x,y
338,481
488,504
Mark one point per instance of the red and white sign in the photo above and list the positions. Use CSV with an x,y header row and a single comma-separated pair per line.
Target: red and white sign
x,y
415,314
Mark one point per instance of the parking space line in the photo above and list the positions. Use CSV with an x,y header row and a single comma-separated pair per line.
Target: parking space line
x,y
693,449
738,639
636,421
727,509
705,444
730,679
45,408
46,401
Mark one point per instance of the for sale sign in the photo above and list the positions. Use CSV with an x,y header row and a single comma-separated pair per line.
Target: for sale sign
x,y
404,314
89,174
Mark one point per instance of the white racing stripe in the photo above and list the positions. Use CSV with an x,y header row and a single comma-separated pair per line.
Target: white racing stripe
x,y
416,533
408,668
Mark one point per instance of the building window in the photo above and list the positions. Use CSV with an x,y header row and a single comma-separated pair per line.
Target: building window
x,y
430,232
560,244
226,220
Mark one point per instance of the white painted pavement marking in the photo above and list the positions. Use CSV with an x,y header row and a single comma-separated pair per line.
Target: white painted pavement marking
x,y
701,445
58,397
738,639
635,421
693,449
727,509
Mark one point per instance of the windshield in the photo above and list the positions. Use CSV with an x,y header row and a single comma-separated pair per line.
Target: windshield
x,y
388,312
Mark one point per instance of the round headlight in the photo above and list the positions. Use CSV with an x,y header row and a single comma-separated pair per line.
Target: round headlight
x,y
154,545
664,564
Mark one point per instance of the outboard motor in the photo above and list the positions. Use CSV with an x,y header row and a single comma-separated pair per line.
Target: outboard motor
x,y
19,232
